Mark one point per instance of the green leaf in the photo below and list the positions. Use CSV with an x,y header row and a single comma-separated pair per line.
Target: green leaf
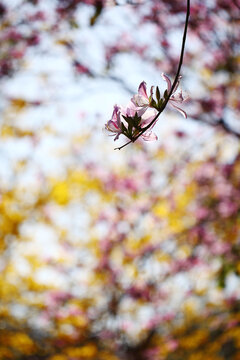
x,y
124,129
130,127
158,94
160,104
154,104
128,119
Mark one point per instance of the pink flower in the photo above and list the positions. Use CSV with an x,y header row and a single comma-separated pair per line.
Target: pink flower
x,y
117,123
175,98
131,109
149,136
147,117
141,99
146,114
139,117
114,125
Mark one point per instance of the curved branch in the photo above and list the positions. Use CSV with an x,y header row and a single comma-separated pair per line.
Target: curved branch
x,y
174,83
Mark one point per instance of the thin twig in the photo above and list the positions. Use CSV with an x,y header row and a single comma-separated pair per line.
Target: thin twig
x,y
119,148
174,83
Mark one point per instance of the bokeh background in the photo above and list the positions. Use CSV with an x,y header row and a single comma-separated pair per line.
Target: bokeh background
x,y
107,254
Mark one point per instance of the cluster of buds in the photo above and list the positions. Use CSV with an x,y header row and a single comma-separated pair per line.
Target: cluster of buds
x,y
141,114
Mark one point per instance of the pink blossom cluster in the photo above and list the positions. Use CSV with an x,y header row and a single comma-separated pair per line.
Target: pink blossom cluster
x,y
141,114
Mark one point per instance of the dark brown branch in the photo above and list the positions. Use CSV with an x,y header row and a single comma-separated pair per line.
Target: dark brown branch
x,y
174,83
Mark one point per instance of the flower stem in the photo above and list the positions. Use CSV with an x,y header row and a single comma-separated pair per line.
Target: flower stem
x,y
119,148
175,80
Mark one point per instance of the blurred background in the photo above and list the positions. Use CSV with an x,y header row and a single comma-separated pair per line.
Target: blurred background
x,y
107,254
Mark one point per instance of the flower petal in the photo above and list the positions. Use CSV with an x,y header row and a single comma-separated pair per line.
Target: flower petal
x,y
168,81
112,126
131,109
179,109
177,97
149,136
115,113
148,116
140,100
142,89
117,136
177,84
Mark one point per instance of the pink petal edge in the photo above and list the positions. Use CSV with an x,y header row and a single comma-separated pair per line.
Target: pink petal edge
x,y
149,136
180,110
142,89
168,81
